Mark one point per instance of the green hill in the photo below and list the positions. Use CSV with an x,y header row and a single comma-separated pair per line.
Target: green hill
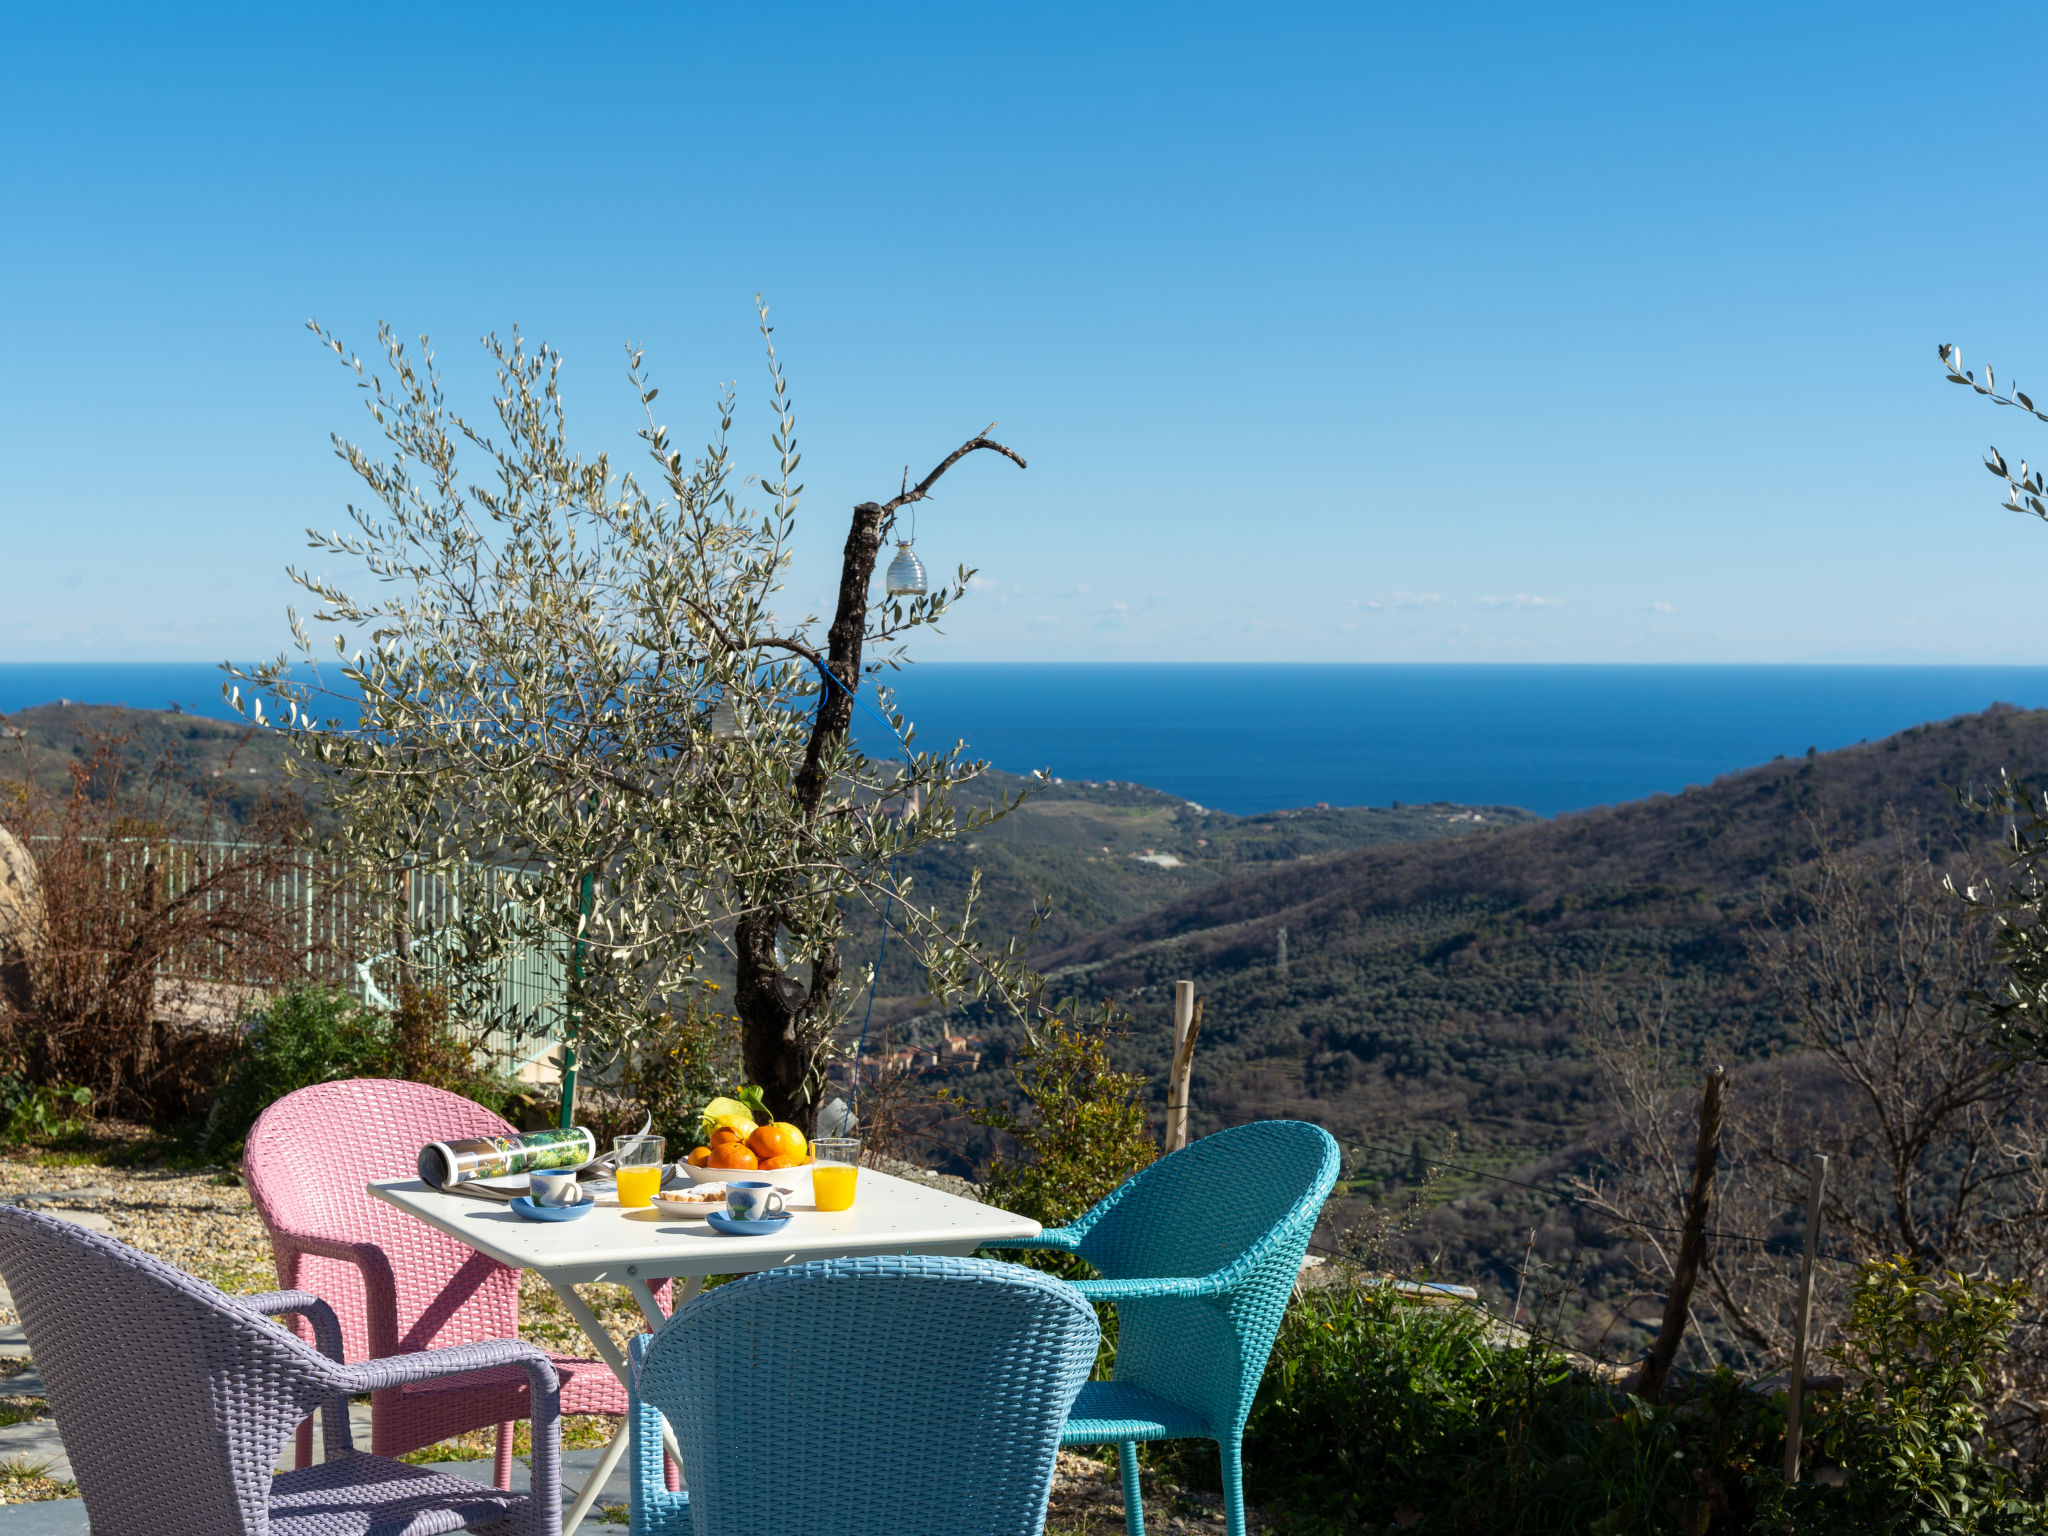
x,y
1430,985
199,772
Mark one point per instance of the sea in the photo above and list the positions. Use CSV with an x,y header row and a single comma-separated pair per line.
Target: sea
x,y
1253,737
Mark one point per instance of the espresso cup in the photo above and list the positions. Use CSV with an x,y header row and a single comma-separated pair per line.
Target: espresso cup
x,y
553,1186
751,1200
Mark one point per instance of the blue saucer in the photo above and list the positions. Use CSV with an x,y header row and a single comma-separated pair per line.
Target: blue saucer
x,y
524,1206
718,1221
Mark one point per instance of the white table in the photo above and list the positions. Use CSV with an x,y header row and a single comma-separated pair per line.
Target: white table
x,y
637,1248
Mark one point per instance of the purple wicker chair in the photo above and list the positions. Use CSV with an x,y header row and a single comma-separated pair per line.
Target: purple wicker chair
x,y
175,1401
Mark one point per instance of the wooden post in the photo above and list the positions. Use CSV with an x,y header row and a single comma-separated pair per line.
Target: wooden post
x,y
1795,1405
1187,1024
1692,1243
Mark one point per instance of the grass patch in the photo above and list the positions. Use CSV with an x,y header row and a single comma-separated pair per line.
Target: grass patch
x,y
19,1410
28,1482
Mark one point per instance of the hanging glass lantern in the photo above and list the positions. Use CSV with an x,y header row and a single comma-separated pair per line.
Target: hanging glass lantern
x,y
906,572
725,719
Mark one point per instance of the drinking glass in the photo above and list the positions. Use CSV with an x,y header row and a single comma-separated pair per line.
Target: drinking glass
x,y
834,1170
640,1163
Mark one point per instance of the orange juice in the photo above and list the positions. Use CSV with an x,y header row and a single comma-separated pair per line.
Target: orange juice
x,y
637,1185
832,1183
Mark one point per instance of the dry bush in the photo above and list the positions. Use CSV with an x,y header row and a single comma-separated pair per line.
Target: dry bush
x,y
1935,1137
150,931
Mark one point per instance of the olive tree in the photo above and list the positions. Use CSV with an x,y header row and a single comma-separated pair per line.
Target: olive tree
x,y
576,676
2018,903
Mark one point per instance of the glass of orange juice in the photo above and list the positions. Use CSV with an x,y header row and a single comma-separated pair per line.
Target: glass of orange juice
x,y
641,1162
835,1165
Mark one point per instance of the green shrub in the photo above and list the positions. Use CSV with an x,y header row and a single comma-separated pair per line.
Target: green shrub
x,y
1910,1434
683,1063
40,1112
1083,1132
1373,1411
302,1036
321,1034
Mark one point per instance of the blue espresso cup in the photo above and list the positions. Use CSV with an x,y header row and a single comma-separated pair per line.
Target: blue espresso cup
x,y
553,1186
751,1200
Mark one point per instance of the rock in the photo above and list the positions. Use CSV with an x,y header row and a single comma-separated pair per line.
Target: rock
x,y
89,1195
21,920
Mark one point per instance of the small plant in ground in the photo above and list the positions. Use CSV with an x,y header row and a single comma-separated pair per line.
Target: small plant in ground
x,y
1910,1433
23,1481
1082,1133
40,1112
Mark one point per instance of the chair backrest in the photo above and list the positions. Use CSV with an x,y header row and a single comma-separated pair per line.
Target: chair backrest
x,y
1247,1196
885,1395
309,1156
174,1401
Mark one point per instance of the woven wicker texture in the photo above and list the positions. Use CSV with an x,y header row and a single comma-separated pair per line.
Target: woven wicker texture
x,y
912,1397
175,1399
1200,1253
396,1283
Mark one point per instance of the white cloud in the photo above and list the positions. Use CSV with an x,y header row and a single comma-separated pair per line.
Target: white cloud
x,y
1402,600
1519,600
1660,607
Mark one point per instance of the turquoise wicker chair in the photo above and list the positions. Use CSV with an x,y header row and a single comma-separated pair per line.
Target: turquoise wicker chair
x,y
1199,1252
906,1397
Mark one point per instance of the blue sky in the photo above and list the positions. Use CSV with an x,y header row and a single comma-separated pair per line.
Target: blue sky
x,y
1361,332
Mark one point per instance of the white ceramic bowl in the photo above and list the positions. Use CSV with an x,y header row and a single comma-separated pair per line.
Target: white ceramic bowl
x,y
686,1210
775,1176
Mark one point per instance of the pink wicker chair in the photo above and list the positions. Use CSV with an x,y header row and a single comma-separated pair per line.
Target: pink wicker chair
x,y
397,1285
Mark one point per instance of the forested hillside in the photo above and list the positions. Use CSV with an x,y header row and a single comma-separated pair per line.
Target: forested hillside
x,y
197,770
1432,988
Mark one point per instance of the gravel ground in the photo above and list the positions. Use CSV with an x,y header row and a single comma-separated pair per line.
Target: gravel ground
x,y
204,1223
1088,1500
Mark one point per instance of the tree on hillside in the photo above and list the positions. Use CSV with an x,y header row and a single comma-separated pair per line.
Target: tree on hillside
x,y
1937,1141
578,679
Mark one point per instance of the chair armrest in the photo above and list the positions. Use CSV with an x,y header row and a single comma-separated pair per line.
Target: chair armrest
x,y
1134,1290
468,1359
1061,1239
380,1283
326,1326
456,1360
335,1433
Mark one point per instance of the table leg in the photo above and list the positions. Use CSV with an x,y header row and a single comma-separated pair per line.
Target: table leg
x,y
606,1465
601,1338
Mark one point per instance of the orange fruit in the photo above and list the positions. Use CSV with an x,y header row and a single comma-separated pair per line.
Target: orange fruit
x,y
784,1161
780,1139
725,1135
733,1155
700,1157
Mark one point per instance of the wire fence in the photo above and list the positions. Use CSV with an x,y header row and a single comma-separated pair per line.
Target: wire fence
x,y
350,928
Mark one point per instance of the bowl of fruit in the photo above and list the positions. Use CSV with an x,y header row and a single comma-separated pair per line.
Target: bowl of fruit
x,y
741,1137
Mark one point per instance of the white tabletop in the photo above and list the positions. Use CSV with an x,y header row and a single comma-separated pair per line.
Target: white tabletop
x,y
889,1215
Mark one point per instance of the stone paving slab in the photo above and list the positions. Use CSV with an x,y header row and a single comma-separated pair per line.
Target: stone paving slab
x,y
66,1517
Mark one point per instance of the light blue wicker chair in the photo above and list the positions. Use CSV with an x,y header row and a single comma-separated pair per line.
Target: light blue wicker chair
x,y
861,1397
1199,1252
